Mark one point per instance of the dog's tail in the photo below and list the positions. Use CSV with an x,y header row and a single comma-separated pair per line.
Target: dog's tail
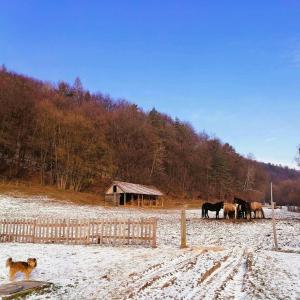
x,y
9,262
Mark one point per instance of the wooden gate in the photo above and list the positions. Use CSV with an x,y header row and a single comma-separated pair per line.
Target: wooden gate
x,y
84,232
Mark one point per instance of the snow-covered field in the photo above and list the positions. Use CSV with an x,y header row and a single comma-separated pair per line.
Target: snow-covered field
x,y
225,259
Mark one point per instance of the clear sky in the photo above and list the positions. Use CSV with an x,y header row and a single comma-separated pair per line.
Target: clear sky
x,y
231,68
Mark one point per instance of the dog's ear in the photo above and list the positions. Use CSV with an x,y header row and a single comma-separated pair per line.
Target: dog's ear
x,y
8,261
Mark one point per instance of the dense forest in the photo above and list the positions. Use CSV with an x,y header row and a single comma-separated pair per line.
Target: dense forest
x,y
286,183
63,135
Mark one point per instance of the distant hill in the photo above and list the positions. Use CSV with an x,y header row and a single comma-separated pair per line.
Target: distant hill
x,y
286,183
280,173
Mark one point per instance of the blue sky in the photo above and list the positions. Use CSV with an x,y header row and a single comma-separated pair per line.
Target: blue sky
x,y
231,68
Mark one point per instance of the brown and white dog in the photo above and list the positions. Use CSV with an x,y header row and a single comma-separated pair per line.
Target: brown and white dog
x,y
20,266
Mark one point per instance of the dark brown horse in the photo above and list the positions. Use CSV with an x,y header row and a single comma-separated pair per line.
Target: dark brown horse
x,y
213,207
244,210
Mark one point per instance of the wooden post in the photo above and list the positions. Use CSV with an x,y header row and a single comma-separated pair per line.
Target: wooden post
x,y
183,229
273,220
115,200
33,231
154,232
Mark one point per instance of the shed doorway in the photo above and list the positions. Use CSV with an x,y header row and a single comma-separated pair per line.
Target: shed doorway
x,y
122,198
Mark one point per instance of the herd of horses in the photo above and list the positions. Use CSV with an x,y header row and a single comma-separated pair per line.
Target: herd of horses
x,y
239,209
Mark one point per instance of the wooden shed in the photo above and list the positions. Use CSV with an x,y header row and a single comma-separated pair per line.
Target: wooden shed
x,y
132,194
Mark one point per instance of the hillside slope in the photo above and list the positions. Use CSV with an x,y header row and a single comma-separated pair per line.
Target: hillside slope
x,y
65,136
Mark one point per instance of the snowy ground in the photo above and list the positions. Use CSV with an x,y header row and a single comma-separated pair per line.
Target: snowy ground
x,y
225,260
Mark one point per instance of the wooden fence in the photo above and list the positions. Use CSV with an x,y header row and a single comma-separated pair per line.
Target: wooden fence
x,y
84,232
293,209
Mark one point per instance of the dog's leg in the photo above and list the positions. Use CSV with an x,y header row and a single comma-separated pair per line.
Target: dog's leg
x,y
27,275
12,275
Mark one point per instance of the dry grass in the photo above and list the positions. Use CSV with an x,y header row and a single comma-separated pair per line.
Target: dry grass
x,y
19,189
202,249
182,203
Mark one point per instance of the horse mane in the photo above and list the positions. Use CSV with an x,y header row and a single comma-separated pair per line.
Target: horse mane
x,y
239,199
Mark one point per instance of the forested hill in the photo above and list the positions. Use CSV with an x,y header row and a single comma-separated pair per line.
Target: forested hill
x,y
279,173
63,135
286,184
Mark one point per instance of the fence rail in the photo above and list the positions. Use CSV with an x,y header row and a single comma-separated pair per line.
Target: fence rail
x,y
293,209
84,232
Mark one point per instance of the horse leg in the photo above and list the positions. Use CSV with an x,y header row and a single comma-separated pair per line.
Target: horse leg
x,y
243,215
259,214
262,213
248,215
206,214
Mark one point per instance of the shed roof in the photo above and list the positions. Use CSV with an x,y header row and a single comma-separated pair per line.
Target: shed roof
x,y
134,188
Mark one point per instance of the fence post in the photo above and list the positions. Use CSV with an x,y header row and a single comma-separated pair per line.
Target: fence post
x,y
183,229
33,231
273,220
154,222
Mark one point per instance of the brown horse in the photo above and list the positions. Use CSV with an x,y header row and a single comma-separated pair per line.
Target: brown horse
x,y
229,210
256,207
243,208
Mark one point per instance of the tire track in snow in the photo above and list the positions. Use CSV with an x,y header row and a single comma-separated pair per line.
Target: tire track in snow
x,y
157,273
179,274
233,288
213,286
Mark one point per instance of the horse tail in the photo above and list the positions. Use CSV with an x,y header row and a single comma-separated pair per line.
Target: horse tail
x,y
263,214
248,211
203,212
